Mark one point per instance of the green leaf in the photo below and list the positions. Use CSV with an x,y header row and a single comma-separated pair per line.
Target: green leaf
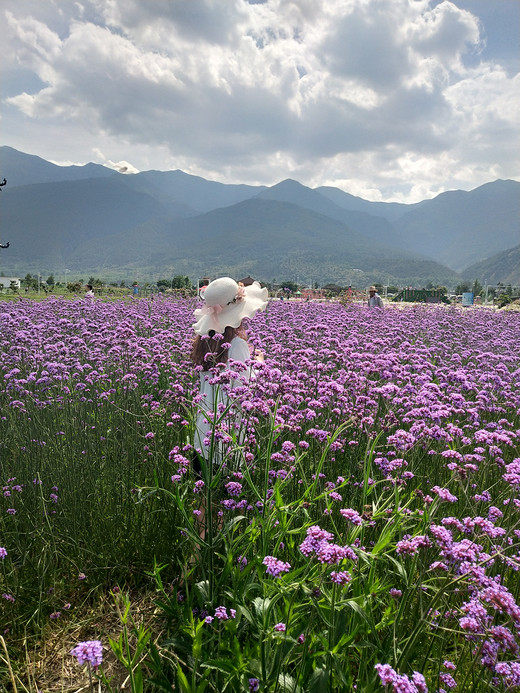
x,y
138,681
182,680
287,684
226,666
319,680
203,684
261,605
202,588
358,609
244,611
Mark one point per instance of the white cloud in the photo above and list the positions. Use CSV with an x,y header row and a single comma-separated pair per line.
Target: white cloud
x,y
374,92
121,166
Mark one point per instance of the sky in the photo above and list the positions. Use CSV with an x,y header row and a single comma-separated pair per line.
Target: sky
x,y
390,100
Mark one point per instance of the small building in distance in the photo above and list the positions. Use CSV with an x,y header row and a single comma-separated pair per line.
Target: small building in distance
x,y
5,282
246,281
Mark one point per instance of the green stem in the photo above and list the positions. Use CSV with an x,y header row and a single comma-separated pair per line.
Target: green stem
x,y
332,633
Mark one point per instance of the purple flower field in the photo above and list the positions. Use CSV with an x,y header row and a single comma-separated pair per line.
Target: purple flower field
x,y
360,525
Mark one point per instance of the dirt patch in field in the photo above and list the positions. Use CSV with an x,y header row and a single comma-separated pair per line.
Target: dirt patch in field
x,y
45,665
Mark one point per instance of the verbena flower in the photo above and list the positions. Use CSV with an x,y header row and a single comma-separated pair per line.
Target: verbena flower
x,y
341,577
275,567
221,613
351,515
89,651
401,683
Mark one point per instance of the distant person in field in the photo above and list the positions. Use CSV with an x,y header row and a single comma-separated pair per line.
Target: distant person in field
x,y
220,338
374,299
202,288
89,292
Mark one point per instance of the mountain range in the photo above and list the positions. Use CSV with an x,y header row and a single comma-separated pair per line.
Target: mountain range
x,y
92,220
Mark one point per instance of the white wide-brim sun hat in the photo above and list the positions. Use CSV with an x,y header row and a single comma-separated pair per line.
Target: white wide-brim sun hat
x,y
227,303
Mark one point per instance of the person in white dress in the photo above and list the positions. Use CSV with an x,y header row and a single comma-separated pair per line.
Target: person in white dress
x,y
221,341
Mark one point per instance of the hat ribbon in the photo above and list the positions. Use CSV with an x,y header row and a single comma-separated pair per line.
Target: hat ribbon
x,y
212,312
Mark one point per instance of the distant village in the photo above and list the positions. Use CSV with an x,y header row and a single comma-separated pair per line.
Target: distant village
x,y
465,292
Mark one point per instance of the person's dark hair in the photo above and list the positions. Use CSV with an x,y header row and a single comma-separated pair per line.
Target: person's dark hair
x,y
208,352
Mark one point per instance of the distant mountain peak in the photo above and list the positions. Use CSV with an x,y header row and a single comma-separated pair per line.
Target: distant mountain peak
x,y
289,183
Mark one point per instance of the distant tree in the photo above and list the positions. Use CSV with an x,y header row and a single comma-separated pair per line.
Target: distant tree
x,y
291,286
181,282
477,288
13,287
75,287
462,288
503,300
163,284
50,280
30,282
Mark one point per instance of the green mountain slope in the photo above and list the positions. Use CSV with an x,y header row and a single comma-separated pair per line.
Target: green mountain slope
x,y
45,223
459,228
373,227
503,267
387,210
267,239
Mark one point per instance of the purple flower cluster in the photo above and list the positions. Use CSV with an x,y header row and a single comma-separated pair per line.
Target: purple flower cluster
x,y
318,542
90,652
341,577
408,546
351,516
275,567
401,683
221,614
